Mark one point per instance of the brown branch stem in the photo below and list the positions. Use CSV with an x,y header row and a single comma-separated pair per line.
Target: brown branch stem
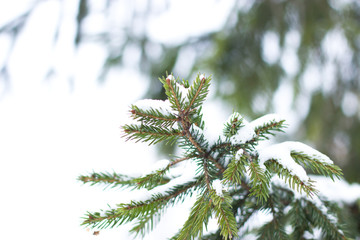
x,y
176,161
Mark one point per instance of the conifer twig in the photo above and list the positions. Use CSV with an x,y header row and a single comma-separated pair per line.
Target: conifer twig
x,y
196,94
206,173
168,82
134,209
141,114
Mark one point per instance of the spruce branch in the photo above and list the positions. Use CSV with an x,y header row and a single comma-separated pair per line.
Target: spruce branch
x,y
222,209
148,181
235,170
196,95
152,180
320,219
260,182
269,128
298,220
109,179
272,230
153,117
178,160
197,92
172,90
206,174
138,209
293,181
257,179
198,143
232,126
146,222
317,166
152,134
199,216
157,177
275,228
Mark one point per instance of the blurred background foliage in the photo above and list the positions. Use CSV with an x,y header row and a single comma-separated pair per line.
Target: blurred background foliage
x,y
304,53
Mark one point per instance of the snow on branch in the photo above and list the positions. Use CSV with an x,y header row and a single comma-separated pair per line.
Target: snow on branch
x,y
339,191
218,187
242,132
282,154
266,119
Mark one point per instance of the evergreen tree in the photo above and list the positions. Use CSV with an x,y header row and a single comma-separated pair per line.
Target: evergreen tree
x,y
234,178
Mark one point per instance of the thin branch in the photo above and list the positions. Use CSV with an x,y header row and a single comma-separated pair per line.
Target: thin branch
x,y
133,111
176,161
196,94
168,82
217,164
92,219
206,173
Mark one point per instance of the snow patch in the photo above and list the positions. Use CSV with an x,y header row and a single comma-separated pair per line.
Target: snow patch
x,y
210,136
170,77
303,148
183,90
257,219
218,187
315,235
239,154
281,153
338,191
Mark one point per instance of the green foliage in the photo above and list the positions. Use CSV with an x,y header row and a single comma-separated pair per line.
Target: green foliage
x,y
231,182
317,166
235,170
260,181
153,117
293,181
173,92
197,93
110,179
269,128
144,211
199,216
152,134
305,216
222,209
152,180
233,125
